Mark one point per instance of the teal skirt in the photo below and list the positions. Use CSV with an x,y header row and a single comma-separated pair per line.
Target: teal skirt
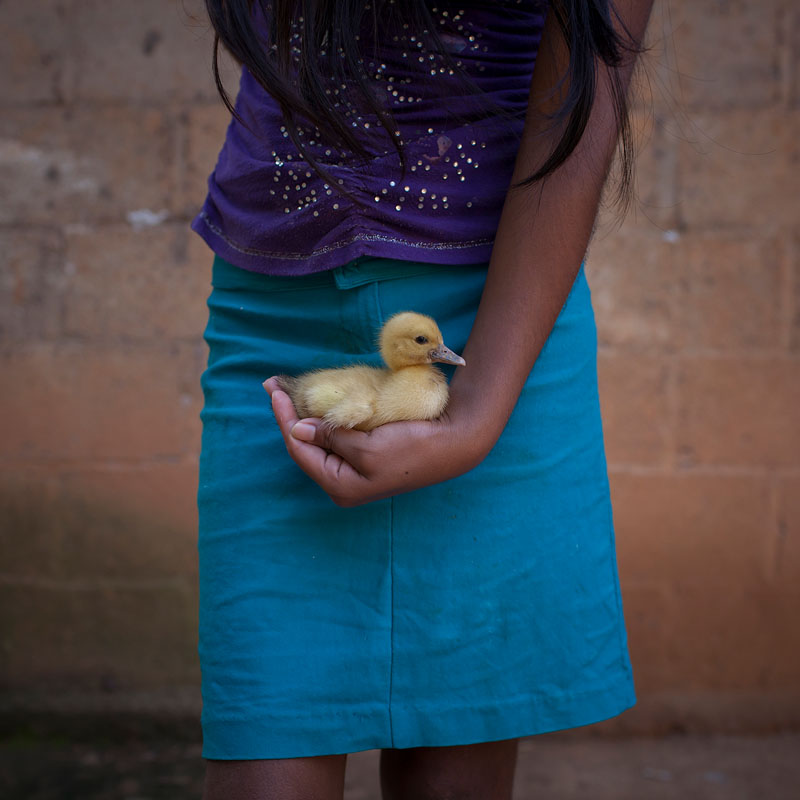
x,y
486,607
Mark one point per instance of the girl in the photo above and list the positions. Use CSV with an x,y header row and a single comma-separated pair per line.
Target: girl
x,y
461,589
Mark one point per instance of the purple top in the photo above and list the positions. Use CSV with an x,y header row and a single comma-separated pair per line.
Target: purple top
x,y
268,211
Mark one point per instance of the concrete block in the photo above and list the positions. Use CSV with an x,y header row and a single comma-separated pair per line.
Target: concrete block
x,y
739,411
636,408
84,165
728,53
79,401
793,295
135,523
148,50
787,545
75,636
706,531
743,639
35,61
648,634
738,170
135,284
31,281
633,279
30,537
791,76
732,291
734,639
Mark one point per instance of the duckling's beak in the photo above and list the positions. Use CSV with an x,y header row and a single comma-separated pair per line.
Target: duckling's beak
x,y
444,355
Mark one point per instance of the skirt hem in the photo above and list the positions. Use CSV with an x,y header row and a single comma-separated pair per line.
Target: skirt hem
x,y
408,727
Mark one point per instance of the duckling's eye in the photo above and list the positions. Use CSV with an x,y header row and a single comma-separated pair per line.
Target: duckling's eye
x,y
421,340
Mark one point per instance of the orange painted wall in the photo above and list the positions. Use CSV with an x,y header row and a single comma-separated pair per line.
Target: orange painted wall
x,y
109,125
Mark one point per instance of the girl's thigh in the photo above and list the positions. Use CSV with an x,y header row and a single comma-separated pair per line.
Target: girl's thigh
x,y
317,778
482,771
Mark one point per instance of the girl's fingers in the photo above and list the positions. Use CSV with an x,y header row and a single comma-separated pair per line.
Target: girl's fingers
x,y
329,470
271,385
354,466
309,457
347,444
350,445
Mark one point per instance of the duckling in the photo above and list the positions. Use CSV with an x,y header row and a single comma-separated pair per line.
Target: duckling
x,y
362,397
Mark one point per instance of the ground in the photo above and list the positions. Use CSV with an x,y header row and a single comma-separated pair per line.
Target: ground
x,y
34,766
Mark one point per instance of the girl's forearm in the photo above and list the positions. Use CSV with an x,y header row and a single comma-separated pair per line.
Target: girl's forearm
x,y
542,237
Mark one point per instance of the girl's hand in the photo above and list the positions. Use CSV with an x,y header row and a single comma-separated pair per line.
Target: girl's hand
x,y
355,467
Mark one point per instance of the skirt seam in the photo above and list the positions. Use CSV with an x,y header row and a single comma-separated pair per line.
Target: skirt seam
x,y
391,618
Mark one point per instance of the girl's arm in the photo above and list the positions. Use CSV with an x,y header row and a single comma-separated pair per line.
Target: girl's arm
x,y
541,240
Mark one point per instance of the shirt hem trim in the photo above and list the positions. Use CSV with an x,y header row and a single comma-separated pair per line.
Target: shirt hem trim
x,y
358,237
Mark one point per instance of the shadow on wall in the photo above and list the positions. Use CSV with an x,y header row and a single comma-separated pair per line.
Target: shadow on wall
x,y
99,601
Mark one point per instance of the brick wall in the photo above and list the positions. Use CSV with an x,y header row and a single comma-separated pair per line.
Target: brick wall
x,y
109,125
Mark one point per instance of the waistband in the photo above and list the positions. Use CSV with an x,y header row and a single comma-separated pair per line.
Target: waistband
x,y
359,271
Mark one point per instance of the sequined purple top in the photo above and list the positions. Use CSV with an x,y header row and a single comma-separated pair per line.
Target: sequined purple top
x,y
268,211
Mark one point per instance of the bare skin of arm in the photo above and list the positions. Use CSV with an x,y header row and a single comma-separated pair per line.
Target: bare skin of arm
x,y
542,237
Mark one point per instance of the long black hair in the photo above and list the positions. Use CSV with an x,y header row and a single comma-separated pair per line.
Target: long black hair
x,y
286,63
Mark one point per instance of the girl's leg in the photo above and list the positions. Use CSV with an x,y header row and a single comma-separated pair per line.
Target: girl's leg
x,y
318,778
471,772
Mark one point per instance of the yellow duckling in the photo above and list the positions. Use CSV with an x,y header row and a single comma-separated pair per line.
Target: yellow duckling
x,y
363,397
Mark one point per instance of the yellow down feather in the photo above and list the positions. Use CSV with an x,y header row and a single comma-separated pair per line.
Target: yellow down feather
x,y
362,397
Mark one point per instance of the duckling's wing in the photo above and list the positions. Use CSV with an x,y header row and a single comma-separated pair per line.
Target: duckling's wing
x,y
344,397
412,393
